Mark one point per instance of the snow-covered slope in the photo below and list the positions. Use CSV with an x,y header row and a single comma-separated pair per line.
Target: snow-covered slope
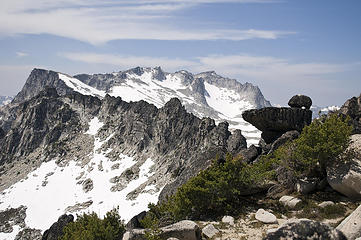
x,y
52,190
4,100
205,94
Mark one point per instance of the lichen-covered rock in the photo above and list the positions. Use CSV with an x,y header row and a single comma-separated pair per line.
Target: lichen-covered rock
x,y
351,226
303,229
56,230
345,177
300,101
273,121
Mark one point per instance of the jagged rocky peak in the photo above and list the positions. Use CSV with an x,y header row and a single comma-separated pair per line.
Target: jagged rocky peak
x,y
37,81
352,108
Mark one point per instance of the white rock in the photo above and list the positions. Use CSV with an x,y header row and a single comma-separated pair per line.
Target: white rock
x,y
351,226
209,231
326,203
290,201
346,177
265,217
228,219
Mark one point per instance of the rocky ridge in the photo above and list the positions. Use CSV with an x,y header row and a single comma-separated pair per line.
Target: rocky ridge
x,y
205,95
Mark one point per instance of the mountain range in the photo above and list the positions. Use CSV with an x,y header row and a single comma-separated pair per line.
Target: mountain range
x,y
92,142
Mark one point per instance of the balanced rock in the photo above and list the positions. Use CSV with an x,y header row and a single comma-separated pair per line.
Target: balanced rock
x,y
265,217
302,229
351,226
345,177
273,121
300,101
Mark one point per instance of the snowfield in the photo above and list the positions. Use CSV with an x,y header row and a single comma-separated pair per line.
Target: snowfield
x,y
48,191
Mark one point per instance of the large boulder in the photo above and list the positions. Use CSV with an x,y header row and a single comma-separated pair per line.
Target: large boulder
x,y
351,226
345,176
273,121
352,108
302,229
56,230
236,142
265,217
185,229
135,221
250,154
300,101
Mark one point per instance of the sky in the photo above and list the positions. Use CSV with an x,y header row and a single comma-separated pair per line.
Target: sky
x,y
285,47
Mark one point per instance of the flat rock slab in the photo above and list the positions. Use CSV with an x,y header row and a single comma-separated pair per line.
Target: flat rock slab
x,y
351,226
209,231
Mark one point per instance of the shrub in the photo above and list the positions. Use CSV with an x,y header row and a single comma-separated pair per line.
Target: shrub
x,y
218,190
91,227
319,143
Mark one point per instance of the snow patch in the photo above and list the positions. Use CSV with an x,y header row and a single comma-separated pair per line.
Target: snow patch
x,y
80,87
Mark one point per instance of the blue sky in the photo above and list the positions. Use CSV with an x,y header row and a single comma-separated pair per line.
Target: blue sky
x,y
285,47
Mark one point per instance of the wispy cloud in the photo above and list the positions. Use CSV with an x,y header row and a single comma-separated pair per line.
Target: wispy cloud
x,y
97,21
21,54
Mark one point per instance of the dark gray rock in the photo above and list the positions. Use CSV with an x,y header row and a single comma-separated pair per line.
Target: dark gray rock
x,y
37,81
11,217
135,221
56,230
304,229
273,122
300,101
287,136
2,133
87,185
29,234
236,142
352,108
250,154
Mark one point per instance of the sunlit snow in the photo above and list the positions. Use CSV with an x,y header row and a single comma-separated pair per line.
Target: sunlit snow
x,y
46,203
80,87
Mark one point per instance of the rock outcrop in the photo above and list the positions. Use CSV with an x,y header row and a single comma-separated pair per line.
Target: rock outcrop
x,y
345,176
352,108
305,229
273,121
351,226
56,230
29,234
181,230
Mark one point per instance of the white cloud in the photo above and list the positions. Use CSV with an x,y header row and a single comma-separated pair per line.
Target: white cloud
x,y
21,54
97,21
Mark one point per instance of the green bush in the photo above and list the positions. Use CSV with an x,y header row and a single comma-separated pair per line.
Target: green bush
x,y
218,190
91,227
320,143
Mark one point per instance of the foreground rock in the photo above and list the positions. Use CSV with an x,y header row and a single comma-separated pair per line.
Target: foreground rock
x,y
289,201
56,230
345,177
351,226
181,230
305,229
209,231
265,217
273,121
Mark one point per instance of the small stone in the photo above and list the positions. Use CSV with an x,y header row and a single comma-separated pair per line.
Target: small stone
x,y
326,203
265,217
290,201
228,219
209,231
